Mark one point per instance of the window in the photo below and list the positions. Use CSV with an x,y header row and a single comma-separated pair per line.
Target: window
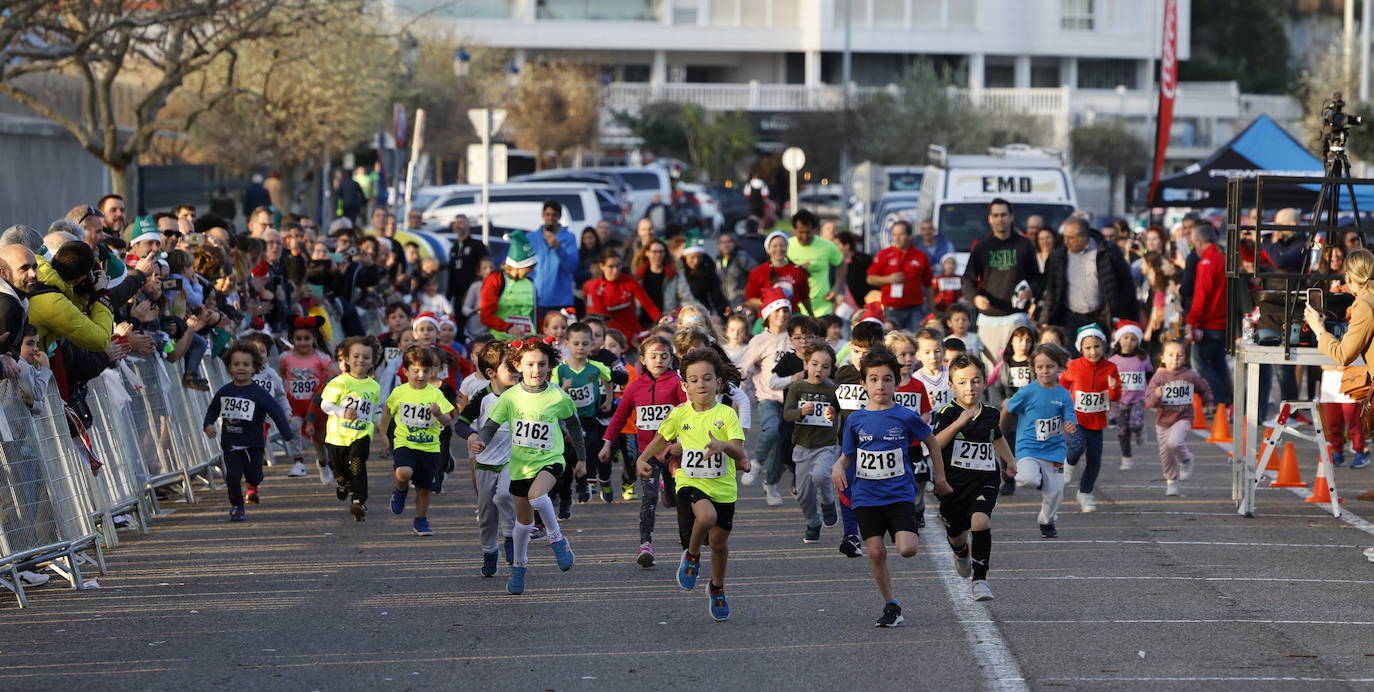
x,y
1076,15
1107,74
1044,73
456,201
963,14
927,13
786,14
999,73
724,12
753,14
889,14
685,12
858,13
572,202
600,10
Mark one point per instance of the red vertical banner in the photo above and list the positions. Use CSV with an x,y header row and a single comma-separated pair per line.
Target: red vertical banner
x,y
1168,89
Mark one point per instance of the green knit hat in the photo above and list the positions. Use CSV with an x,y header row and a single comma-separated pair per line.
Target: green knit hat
x,y
521,253
144,229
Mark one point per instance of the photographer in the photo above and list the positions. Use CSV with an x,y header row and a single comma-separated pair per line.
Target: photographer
x,y
1359,337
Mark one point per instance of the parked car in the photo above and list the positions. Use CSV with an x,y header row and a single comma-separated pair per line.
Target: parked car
x,y
708,209
893,207
644,182
734,206
516,205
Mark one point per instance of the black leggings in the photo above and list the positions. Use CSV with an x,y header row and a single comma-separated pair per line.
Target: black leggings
x,y
241,465
349,465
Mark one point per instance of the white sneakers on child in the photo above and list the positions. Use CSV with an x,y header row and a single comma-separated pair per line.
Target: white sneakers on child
x,y
1086,503
297,470
1171,488
1126,463
1068,474
1185,470
771,496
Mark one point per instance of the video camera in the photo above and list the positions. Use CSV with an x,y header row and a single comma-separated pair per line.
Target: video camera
x,y
1336,123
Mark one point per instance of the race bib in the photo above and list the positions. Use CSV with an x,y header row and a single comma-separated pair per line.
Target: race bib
x,y
1176,393
237,408
852,396
950,283
362,406
391,353
303,388
939,398
695,464
263,381
531,434
1090,402
817,416
880,465
898,290
443,373
581,396
1133,381
1019,375
910,400
1047,428
651,416
414,416
974,456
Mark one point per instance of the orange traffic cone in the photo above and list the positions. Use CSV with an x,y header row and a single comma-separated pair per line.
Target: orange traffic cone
x,y
1288,469
1199,420
1321,494
1221,429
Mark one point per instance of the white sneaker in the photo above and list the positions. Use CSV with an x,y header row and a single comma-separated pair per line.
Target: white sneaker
x,y
1086,502
297,470
1171,488
1068,475
33,578
771,496
1126,463
981,591
1369,553
1185,470
326,475
748,477
961,566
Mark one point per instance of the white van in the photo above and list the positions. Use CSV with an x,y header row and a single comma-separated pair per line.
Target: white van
x,y
513,205
957,189
644,182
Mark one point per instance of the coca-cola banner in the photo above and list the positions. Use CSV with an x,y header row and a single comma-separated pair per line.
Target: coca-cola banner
x,y
1168,88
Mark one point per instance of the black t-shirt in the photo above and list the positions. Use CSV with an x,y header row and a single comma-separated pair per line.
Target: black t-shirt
x,y
970,457
1014,375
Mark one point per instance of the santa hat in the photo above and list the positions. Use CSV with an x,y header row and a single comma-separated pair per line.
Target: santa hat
x,y
873,312
425,317
1086,331
521,253
261,269
1124,327
773,300
447,319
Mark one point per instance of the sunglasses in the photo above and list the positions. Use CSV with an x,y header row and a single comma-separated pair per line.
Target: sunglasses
x,y
171,234
90,211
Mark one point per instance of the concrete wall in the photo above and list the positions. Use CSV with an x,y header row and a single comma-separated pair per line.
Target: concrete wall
x,y
44,173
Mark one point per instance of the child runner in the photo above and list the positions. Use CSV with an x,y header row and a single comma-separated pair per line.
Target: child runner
x,y
352,400
619,346
1171,392
788,370
587,383
1012,373
1133,365
736,337
304,370
812,406
495,506
876,469
712,448
536,413
833,328
910,392
1093,382
958,319
970,444
1044,412
477,381
852,393
421,413
241,407
764,351
555,327
932,374
397,318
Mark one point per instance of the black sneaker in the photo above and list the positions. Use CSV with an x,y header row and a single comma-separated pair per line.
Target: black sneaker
x,y
892,616
920,523
583,492
1008,487
195,382
851,546
564,511
813,535
829,516
1048,530
341,492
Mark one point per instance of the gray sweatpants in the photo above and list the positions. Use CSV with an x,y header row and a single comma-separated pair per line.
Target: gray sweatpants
x,y
495,508
1046,475
813,480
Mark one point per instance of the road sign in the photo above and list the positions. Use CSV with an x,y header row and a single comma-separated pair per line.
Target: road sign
x,y
478,118
398,125
793,159
477,165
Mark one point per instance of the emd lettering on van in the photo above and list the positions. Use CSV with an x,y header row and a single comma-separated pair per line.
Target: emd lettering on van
x,y
1010,183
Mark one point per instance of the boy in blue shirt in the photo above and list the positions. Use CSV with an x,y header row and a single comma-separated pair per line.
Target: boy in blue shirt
x,y
1045,411
241,407
876,467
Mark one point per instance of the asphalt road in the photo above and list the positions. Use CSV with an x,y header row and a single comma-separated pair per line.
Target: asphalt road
x,y
1147,593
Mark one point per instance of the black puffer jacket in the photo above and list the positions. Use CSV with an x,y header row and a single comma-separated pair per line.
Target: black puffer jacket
x,y
1113,275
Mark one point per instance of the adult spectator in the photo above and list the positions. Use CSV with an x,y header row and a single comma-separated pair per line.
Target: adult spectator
x,y
697,283
933,243
1034,223
276,194
1206,321
555,251
1000,278
902,271
146,241
259,220
829,230
68,301
856,264
415,219
634,250
1284,246
604,233
18,272
185,211
817,256
751,242
60,233
464,257
658,214
1046,240
99,236
255,195
19,234
350,196
1359,336
112,210
215,229
733,264
654,274
170,228
1087,281
781,274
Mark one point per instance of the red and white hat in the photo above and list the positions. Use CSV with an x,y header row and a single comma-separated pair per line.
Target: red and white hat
x,y
873,312
1124,327
773,300
425,317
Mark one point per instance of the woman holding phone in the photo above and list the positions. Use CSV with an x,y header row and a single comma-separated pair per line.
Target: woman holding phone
x,y
1359,337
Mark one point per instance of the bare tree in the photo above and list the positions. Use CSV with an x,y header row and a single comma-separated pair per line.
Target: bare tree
x,y
157,44
556,107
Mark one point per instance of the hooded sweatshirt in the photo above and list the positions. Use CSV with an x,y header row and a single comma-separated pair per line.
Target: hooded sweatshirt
x,y
647,401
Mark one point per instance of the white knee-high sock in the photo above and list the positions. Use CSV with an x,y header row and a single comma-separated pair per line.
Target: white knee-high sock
x,y
521,541
544,506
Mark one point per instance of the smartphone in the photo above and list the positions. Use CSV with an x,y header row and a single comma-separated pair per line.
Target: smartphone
x,y
171,284
1317,299
317,290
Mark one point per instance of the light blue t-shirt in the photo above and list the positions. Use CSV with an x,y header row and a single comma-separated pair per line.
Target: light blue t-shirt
x,y
1041,415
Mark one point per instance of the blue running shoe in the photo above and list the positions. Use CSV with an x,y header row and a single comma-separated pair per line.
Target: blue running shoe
x,y
489,564
1338,459
516,585
1360,461
563,553
510,549
398,501
687,571
718,606
421,526
236,514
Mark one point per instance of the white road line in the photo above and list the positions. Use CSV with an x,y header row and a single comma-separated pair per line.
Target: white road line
x,y
1207,543
1296,580
999,667
1210,679
1225,621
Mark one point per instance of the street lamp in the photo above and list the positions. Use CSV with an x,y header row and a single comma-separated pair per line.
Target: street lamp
x,y
512,75
462,63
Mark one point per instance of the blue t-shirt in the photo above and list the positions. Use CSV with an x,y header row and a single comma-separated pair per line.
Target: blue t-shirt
x,y
1041,415
241,412
878,444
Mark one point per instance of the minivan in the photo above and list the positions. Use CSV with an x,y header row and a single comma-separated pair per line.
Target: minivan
x,y
517,205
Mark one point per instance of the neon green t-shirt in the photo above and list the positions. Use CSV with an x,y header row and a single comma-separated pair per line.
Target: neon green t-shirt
x,y
536,440
817,259
361,395
584,386
715,475
416,426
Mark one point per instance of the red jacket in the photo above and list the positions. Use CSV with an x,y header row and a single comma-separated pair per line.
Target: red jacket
x,y
914,267
616,300
645,390
1208,310
1091,385
793,280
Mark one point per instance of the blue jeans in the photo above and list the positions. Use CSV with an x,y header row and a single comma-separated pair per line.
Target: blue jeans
x,y
767,451
1089,441
909,319
195,355
1211,364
